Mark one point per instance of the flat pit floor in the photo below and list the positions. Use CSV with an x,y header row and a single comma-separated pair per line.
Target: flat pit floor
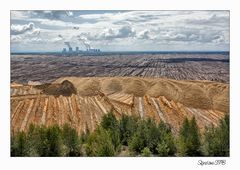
x,y
45,68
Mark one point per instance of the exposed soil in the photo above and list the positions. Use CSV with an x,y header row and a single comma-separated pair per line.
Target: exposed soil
x,y
43,68
81,102
66,88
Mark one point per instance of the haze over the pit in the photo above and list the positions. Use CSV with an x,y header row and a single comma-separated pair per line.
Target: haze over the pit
x,y
120,30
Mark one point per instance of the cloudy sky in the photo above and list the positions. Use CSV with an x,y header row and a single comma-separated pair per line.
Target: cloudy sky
x,y
120,30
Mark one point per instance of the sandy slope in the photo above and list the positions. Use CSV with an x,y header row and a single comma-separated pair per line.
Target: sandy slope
x,y
197,94
162,99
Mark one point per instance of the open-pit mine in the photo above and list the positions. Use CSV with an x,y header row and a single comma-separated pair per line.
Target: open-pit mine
x,y
79,90
81,102
178,66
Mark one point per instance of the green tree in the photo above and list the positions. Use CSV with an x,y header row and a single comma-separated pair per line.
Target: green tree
x,y
139,139
42,144
54,141
18,146
146,135
216,139
189,138
195,149
111,124
99,143
128,126
109,121
71,141
166,146
85,135
49,141
32,140
46,141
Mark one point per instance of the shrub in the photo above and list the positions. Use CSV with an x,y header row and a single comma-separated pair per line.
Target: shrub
x,y
146,152
109,121
42,144
42,140
54,141
32,140
99,143
18,145
143,137
71,141
128,126
146,135
163,149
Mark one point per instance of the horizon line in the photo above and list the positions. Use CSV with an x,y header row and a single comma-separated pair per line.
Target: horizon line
x,y
12,52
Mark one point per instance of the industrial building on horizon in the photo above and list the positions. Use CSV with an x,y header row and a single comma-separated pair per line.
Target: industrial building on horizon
x,y
70,50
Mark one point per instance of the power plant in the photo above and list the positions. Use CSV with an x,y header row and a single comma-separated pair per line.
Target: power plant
x,y
77,51
69,50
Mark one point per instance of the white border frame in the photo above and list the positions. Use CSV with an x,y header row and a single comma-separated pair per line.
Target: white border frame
x,y
117,163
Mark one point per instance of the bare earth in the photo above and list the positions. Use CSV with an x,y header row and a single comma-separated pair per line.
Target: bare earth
x,y
166,87
214,67
165,100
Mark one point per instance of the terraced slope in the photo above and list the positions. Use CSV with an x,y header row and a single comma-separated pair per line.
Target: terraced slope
x,y
162,99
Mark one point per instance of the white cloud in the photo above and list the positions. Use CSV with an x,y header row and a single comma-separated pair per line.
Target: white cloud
x,y
34,40
25,33
16,38
49,22
52,15
19,15
140,29
123,32
21,29
145,34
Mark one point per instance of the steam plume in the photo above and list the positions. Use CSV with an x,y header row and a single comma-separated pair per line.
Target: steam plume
x,y
85,41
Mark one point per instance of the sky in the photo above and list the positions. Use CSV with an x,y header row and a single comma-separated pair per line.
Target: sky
x,y
49,31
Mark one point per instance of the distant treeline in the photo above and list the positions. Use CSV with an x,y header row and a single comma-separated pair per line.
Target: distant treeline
x,y
128,136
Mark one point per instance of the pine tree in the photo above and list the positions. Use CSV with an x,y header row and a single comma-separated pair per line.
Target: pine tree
x,y
189,139
166,147
99,143
128,126
54,141
49,141
32,140
110,123
183,137
147,135
194,138
71,141
216,139
19,147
